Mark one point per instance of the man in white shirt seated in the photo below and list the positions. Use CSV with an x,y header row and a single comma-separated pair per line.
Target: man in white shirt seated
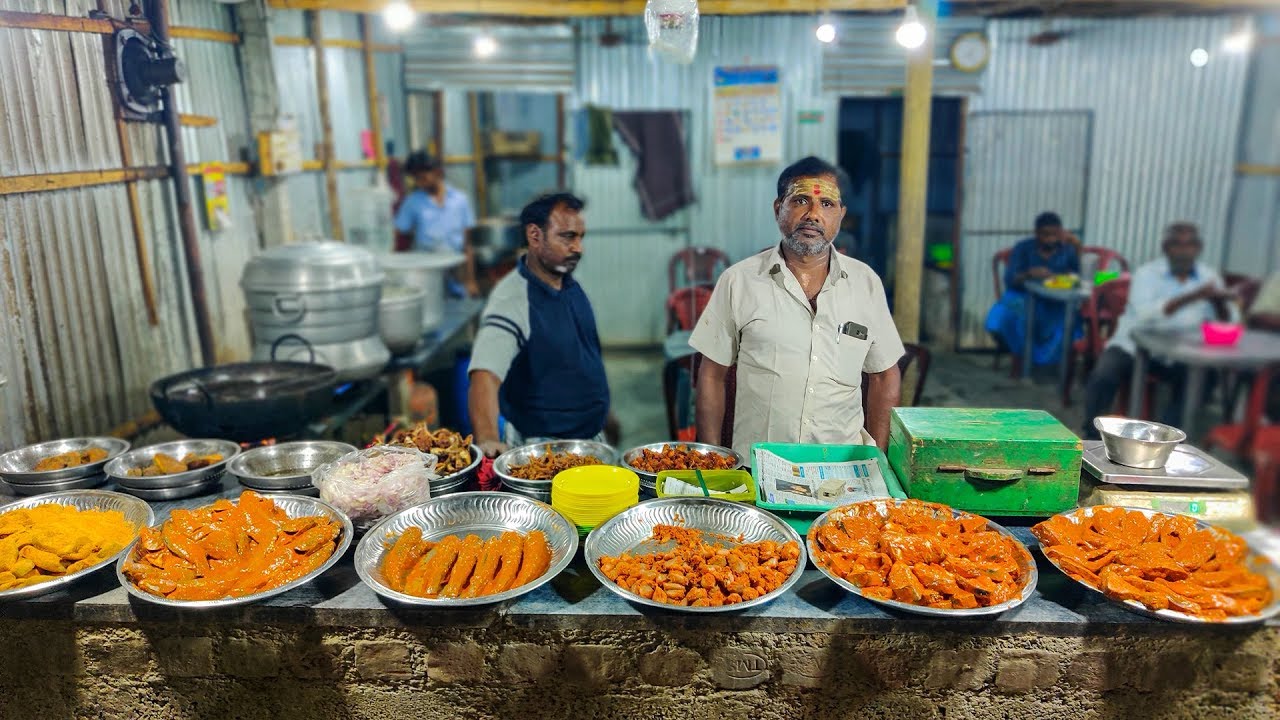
x,y
1173,293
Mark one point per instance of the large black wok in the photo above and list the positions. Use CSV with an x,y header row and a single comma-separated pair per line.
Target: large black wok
x,y
245,402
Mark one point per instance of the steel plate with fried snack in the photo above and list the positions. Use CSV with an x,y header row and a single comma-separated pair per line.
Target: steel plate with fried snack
x,y
452,450
546,467
680,457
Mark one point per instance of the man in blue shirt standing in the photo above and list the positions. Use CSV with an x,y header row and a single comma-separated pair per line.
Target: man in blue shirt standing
x,y
1173,293
439,218
536,361
1052,251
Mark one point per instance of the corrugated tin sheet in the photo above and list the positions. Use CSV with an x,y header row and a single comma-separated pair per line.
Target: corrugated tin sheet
x,y
734,208
1254,228
865,57
529,58
295,80
1165,132
348,101
392,94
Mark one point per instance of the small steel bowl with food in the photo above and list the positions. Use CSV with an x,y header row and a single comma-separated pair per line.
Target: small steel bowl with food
x,y
649,460
332,535
457,458
134,514
466,549
529,470
458,481
693,542
60,460
286,466
181,463
1138,443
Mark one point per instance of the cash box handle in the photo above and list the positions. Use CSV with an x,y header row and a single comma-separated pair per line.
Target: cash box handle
x,y
985,474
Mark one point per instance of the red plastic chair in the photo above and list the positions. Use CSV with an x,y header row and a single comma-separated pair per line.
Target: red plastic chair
x,y
1265,457
1100,313
730,400
701,266
685,306
1106,256
1237,437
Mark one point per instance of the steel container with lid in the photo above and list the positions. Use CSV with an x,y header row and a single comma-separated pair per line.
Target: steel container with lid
x,y
327,292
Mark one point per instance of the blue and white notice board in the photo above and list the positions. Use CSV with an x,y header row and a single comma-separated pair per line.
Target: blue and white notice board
x,y
748,115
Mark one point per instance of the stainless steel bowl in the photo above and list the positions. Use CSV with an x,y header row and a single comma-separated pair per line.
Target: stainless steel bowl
x,y
119,468
134,510
1026,563
83,483
649,481
16,465
207,486
293,506
631,531
457,482
523,455
1138,443
476,513
540,496
286,466
1256,561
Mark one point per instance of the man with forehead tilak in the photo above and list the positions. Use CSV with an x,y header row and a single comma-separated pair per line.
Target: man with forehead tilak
x,y
802,324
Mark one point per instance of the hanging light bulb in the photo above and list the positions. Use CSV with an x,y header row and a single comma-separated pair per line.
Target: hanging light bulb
x,y
398,16
1199,57
1240,39
484,46
826,31
911,33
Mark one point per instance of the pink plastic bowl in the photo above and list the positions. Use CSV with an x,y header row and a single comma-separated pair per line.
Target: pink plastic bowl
x,y
1220,333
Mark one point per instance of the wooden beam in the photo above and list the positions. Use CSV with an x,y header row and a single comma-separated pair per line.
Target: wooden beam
x,y
196,33
188,120
312,165
467,159
290,41
1256,169
64,23
343,43
326,127
135,223
17,184
385,48
477,155
229,168
371,86
561,169
913,184
588,8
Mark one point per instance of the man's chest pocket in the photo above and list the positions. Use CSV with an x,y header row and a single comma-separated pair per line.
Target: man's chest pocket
x,y
852,342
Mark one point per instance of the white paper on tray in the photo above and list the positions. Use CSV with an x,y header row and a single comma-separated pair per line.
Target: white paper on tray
x,y
825,484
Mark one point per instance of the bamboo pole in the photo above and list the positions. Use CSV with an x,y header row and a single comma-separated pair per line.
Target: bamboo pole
x,y
371,83
326,126
477,154
135,220
914,179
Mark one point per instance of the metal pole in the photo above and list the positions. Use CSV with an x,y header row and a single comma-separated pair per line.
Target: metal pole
x,y
182,191
913,188
326,126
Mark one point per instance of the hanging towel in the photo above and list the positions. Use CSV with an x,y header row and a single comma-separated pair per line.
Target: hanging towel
x,y
657,140
600,150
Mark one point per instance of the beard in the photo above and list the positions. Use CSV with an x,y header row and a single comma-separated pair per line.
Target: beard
x,y
568,265
798,245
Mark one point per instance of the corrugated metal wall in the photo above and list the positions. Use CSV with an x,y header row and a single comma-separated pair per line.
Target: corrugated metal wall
x,y
1165,132
1254,227
866,59
734,208
529,58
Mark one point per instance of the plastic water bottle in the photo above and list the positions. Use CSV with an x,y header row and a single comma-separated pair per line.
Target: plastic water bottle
x,y
1088,269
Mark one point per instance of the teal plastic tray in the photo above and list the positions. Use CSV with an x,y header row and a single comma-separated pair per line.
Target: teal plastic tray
x,y
801,516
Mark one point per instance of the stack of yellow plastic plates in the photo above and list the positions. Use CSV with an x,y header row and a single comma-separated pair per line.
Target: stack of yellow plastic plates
x,y
592,494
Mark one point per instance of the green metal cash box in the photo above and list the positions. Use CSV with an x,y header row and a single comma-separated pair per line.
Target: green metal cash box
x,y
990,462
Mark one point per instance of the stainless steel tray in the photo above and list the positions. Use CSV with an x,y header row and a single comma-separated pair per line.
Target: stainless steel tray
x,y
293,506
1256,562
15,465
1187,467
134,510
631,531
118,468
1026,563
83,483
203,487
286,466
522,455
453,483
649,481
480,513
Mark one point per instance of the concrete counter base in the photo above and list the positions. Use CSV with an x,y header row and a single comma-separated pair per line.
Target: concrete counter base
x,y
199,669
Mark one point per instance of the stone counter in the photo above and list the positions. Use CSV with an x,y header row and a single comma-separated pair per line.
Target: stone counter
x,y
572,649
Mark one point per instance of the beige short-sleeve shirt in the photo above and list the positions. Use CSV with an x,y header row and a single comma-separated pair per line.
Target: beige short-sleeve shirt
x,y
799,371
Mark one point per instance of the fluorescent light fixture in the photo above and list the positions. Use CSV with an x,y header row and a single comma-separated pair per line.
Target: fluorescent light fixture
x,y
911,33
1239,40
398,16
826,32
1199,57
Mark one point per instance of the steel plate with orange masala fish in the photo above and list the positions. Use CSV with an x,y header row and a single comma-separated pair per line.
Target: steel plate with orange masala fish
x,y
464,567
1163,562
919,553
228,550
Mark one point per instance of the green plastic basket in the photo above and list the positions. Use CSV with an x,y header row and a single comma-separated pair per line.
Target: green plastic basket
x,y
716,480
801,516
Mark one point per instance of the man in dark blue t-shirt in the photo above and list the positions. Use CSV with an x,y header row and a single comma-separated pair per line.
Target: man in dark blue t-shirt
x,y
536,361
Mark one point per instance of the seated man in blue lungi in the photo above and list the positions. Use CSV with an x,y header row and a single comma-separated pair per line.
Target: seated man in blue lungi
x,y
1051,251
